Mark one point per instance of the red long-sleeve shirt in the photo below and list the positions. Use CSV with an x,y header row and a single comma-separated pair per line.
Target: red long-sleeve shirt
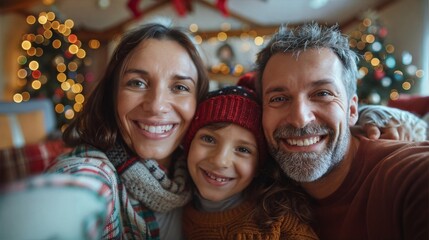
x,y
384,196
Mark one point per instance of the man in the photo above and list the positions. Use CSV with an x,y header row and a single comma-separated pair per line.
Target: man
x,y
361,188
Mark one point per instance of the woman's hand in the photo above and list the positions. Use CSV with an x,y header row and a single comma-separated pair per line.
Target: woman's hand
x,y
381,122
393,131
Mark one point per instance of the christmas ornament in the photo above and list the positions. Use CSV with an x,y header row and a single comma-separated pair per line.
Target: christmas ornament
x,y
374,98
133,6
182,6
221,5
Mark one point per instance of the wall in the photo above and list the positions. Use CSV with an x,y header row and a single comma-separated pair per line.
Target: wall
x,y
406,20
11,28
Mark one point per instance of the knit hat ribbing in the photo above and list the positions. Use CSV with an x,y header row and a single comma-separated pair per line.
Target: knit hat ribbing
x,y
234,104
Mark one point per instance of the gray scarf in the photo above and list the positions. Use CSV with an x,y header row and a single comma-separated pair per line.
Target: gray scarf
x,y
148,183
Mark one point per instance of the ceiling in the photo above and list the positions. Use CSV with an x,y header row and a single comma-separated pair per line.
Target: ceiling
x,y
105,18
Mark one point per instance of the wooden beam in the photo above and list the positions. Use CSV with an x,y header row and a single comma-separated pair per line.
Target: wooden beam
x,y
259,31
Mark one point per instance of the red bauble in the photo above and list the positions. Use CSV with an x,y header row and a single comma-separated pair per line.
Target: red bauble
x,y
379,74
133,6
221,5
382,32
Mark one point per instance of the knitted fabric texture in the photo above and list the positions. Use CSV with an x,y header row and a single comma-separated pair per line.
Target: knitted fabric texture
x,y
234,104
148,183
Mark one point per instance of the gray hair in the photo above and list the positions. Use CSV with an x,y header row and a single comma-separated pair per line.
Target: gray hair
x,y
311,36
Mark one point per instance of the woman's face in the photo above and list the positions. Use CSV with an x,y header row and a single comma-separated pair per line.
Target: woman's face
x,y
157,98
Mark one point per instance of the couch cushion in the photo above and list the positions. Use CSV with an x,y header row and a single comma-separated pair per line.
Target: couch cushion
x,y
18,163
23,128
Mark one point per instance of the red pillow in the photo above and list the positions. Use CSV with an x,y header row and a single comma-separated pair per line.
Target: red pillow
x,y
18,163
416,104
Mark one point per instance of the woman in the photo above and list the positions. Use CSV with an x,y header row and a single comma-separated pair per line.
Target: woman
x,y
129,132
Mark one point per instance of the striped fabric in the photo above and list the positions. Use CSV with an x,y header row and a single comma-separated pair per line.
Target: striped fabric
x,y
19,163
125,215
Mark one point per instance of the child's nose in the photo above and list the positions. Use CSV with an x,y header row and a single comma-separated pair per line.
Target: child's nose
x,y
222,157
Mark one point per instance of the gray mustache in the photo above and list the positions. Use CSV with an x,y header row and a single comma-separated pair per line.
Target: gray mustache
x,y
286,131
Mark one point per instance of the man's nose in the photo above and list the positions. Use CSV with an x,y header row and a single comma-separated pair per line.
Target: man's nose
x,y
300,114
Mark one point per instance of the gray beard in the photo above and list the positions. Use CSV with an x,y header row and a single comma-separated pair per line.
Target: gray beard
x,y
309,166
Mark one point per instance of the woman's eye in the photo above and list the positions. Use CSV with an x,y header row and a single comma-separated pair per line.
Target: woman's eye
x,y
135,83
208,138
181,88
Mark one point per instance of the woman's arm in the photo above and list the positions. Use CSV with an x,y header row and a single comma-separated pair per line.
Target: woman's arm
x,y
378,121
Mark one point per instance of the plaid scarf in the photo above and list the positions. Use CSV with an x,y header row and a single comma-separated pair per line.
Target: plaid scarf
x,y
148,183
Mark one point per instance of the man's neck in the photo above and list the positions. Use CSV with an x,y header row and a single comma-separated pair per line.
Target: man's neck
x,y
328,184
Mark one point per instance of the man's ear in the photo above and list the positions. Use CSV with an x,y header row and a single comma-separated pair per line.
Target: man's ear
x,y
353,110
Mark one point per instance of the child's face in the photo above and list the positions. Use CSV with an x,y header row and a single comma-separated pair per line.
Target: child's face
x,y
222,162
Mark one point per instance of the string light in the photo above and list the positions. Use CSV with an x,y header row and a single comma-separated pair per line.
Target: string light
x,y
381,76
52,61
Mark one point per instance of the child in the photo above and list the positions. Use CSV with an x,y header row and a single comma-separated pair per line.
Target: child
x,y
226,156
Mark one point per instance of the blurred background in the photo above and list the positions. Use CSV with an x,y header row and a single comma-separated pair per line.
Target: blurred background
x,y
58,49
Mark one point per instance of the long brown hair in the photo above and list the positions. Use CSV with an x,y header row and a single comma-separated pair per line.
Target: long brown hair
x,y
97,125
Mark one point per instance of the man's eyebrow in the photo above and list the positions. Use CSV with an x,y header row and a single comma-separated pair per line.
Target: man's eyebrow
x,y
274,89
322,82
325,81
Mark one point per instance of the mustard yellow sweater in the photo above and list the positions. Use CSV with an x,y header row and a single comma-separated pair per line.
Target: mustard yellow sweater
x,y
235,224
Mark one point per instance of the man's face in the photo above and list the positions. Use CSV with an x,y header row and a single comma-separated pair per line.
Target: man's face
x,y
306,112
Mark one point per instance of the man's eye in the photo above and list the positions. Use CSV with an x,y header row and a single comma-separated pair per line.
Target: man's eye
x,y
277,99
323,95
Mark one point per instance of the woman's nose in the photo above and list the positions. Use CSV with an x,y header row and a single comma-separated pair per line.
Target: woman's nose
x,y
157,102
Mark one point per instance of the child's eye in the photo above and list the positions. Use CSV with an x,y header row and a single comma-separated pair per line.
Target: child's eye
x,y
208,139
243,150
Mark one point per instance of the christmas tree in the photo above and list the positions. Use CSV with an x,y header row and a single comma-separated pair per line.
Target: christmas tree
x,y
51,66
382,76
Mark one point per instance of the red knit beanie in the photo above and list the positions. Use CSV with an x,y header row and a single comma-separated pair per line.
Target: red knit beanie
x,y
234,104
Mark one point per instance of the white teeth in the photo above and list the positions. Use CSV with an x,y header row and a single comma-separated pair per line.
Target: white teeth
x,y
156,129
303,142
218,179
